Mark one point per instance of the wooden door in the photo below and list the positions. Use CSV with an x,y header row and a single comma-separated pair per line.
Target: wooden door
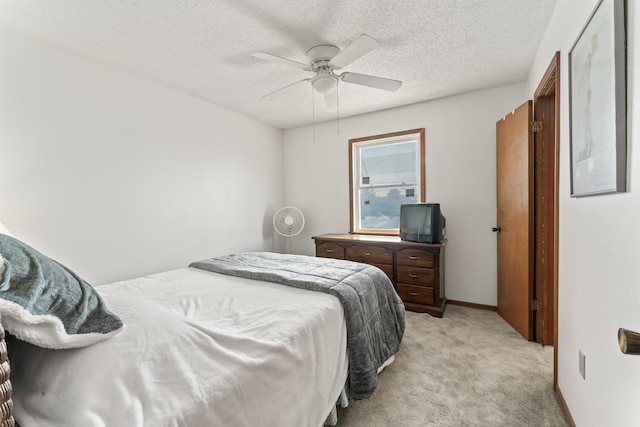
x,y
545,213
514,166
547,165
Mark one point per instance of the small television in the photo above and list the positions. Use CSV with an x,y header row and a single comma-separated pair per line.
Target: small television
x,y
422,222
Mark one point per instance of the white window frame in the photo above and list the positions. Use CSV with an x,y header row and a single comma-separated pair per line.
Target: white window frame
x,y
355,185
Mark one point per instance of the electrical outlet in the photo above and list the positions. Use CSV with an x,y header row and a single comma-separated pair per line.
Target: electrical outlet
x,y
582,363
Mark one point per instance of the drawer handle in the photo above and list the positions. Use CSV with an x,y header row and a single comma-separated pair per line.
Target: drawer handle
x,y
414,294
330,251
368,253
413,257
414,276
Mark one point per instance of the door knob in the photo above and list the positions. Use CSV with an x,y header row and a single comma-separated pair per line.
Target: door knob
x,y
496,229
628,341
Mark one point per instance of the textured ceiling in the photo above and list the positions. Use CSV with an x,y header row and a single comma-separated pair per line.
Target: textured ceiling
x,y
203,47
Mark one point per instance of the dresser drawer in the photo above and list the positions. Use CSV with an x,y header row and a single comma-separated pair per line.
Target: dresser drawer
x,y
415,276
369,254
415,294
329,250
415,258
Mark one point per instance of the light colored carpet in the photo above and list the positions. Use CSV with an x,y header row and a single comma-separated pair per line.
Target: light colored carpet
x,y
469,368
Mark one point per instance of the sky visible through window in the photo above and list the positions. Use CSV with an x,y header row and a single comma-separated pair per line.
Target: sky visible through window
x,y
387,180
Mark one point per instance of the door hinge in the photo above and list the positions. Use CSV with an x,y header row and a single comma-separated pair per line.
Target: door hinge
x,y
535,304
535,126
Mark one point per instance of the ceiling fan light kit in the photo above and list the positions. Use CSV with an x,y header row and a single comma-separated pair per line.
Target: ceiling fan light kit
x,y
324,82
324,59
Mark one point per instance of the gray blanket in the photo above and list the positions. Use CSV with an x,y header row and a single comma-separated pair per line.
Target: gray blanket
x,y
374,313
45,303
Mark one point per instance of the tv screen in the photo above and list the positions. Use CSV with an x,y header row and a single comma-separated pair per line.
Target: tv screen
x,y
422,222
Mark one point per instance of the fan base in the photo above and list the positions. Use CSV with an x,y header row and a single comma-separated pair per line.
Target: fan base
x,y
319,56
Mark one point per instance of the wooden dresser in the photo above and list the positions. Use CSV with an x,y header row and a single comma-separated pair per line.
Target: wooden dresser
x,y
415,269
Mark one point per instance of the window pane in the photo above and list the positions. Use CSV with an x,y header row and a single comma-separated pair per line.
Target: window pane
x,y
388,164
380,208
385,172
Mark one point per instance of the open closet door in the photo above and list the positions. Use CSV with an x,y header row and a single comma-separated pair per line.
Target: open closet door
x,y
514,165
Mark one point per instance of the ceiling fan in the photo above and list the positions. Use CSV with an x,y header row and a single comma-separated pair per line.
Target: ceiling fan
x,y
323,60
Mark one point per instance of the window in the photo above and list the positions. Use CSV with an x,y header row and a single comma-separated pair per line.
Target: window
x,y
386,171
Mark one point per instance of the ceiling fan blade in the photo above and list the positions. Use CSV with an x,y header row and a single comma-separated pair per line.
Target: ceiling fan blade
x,y
283,90
279,60
331,99
359,47
371,81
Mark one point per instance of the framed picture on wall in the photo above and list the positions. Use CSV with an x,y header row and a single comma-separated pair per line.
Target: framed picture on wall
x,y
597,103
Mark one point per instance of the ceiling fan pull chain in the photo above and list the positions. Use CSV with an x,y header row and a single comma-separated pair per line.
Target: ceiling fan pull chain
x,y
313,112
338,103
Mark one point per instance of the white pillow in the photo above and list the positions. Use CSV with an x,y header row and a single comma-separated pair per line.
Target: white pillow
x,y
5,230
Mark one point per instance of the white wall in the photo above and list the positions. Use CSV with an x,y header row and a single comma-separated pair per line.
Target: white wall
x,y
461,175
599,249
116,176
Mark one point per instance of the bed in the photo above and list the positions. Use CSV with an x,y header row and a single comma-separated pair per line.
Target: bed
x,y
253,339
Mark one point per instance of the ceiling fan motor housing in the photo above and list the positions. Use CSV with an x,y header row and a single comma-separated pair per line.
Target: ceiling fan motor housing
x,y
319,56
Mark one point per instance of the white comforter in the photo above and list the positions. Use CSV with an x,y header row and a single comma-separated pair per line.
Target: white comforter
x,y
199,349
